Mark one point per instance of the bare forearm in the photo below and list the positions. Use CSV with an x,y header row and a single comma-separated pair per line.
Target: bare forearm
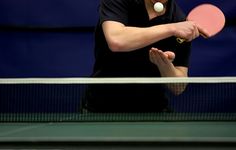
x,y
176,88
125,38
163,61
121,38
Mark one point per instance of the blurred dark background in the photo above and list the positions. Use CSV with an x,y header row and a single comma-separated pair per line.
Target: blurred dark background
x,y
50,38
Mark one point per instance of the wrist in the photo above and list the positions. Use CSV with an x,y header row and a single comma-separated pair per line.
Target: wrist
x,y
171,29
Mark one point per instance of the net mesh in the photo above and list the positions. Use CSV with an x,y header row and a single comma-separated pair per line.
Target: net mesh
x,y
62,100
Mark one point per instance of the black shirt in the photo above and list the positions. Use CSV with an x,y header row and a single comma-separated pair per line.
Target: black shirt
x,y
125,98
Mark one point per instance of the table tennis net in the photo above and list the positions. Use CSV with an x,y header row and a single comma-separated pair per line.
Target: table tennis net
x,y
62,99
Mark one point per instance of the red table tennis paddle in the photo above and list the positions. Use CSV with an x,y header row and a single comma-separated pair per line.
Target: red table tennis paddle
x,y
207,16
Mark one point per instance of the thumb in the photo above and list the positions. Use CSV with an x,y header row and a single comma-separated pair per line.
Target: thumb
x,y
170,55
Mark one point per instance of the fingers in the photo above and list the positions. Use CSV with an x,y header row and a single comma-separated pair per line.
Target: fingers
x,y
154,56
194,32
204,33
187,30
197,31
159,57
171,55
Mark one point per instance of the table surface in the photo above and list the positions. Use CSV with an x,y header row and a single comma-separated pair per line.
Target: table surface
x,y
119,132
113,131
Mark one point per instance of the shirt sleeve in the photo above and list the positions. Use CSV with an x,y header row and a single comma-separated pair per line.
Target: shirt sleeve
x,y
182,53
114,10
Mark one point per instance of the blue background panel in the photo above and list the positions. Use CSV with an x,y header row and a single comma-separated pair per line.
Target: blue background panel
x,y
27,54
70,54
50,13
26,51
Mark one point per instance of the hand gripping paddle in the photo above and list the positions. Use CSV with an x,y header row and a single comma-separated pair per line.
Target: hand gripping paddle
x,y
208,17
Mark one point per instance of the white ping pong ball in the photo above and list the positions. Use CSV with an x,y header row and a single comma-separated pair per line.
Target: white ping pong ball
x,y
158,7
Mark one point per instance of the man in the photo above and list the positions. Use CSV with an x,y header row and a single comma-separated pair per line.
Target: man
x,y
133,40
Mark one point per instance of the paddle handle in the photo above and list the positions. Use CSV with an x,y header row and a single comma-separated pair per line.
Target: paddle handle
x,y
180,40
